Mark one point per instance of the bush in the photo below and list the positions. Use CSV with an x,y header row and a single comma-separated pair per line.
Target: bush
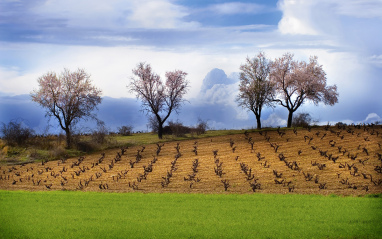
x,y
87,146
99,136
125,130
177,129
14,133
57,152
302,120
340,124
201,127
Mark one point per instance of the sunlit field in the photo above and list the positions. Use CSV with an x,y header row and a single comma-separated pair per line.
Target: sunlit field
x,y
60,214
322,160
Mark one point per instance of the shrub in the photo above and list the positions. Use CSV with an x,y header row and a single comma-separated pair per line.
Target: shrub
x,y
99,136
87,146
302,120
14,133
201,127
125,130
177,129
57,152
340,124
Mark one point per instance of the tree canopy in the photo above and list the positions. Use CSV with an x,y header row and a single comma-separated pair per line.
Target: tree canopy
x,y
295,82
255,88
68,97
157,98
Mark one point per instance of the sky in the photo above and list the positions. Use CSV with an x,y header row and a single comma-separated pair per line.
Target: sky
x,y
208,39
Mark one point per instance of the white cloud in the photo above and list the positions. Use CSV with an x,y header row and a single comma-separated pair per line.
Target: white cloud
x,y
231,8
158,14
115,14
274,120
296,17
220,94
328,29
360,8
372,118
14,82
376,60
110,67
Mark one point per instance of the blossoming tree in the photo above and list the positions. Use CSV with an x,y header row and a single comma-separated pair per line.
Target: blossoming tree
x,y
68,97
295,82
157,98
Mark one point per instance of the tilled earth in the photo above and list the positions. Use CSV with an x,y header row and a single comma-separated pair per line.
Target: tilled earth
x,y
335,160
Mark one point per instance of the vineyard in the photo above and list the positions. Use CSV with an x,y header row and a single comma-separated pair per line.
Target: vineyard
x,y
344,160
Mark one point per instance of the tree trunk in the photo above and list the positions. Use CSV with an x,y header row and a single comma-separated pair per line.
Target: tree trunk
x,y
160,130
258,121
68,138
257,113
290,115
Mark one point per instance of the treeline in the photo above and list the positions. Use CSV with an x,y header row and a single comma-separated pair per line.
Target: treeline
x,y
70,96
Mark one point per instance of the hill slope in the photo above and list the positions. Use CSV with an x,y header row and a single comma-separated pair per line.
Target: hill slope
x,y
344,161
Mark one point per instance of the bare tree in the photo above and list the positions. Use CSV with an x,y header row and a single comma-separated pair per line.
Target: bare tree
x,y
157,98
68,97
295,82
255,87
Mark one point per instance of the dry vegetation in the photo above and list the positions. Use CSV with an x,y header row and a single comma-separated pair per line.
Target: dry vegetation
x,y
344,160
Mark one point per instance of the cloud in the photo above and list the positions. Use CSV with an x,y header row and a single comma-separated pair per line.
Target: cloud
x,y
360,8
12,81
114,14
110,67
215,77
158,14
376,60
159,23
274,120
108,39
372,118
231,8
295,19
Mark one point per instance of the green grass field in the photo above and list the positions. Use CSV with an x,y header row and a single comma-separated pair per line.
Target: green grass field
x,y
68,214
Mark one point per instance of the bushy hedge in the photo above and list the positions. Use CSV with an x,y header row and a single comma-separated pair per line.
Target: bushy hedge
x,y
179,130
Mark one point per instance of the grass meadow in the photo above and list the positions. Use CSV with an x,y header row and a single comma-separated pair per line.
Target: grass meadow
x,y
74,214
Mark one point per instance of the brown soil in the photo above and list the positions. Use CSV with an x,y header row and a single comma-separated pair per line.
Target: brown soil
x,y
295,167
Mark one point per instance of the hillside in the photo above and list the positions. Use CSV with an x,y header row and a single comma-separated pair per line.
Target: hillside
x,y
336,160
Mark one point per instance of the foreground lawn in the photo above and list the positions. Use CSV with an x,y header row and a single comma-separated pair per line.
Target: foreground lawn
x,y
59,214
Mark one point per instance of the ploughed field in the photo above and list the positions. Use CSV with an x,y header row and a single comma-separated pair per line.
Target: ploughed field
x,y
325,160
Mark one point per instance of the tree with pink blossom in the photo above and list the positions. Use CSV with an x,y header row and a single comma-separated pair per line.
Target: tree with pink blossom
x,y
295,82
159,99
68,97
255,87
